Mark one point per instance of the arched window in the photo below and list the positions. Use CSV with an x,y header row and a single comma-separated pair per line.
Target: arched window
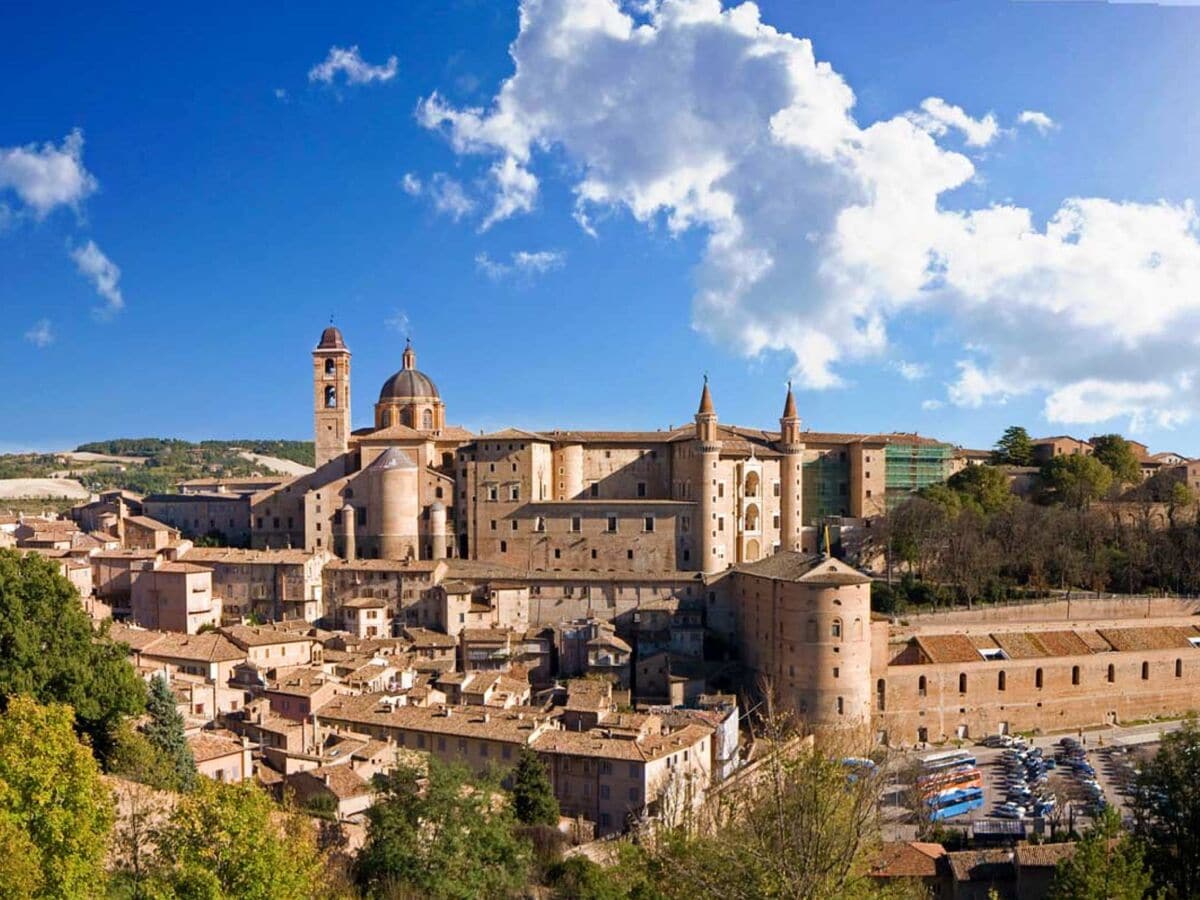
x,y
1112,673
752,484
1074,674
329,367
962,683
857,633
1145,671
427,420
1001,681
752,518
1037,679
406,418
331,397
385,421
921,686
1179,668
836,629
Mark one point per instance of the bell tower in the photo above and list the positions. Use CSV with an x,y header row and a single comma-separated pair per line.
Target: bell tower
x,y
331,396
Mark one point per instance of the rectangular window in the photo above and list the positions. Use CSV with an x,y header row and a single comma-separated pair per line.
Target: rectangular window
x,y
720,489
515,493
576,524
720,523
594,489
648,523
612,523
641,489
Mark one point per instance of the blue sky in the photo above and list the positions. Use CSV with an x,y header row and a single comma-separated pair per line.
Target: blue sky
x,y
244,202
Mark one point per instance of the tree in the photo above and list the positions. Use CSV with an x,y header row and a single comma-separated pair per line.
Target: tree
x,y
165,734
231,841
798,828
1107,865
1076,480
1117,454
52,793
985,488
49,650
1015,448
20,863
442,835
1166,811
533,795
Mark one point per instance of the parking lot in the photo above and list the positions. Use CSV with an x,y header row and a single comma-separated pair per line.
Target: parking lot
x,y
1066,779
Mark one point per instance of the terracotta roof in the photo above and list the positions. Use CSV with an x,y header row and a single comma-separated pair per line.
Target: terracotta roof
x,y
341,781
514,725
136,638
908,859
365,603
424,637
263,635
1043,855
597,744
788,565
235,556
207,647
208,745
1162,637
183,568
981,865
148,523
948,648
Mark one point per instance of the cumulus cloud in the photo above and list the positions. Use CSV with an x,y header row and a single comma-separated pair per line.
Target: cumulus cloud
x,y
104,275
347,62
932,405
521,263
46,177
911,371
1038,120
41,335
410,184
821,230
937,117
449,197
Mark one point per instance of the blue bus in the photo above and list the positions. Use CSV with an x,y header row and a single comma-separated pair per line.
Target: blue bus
x,y
955,803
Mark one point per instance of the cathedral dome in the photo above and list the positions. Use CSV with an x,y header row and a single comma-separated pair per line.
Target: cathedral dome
x,y
408,383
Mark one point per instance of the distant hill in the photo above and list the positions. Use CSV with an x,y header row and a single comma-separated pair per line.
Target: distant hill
x,y
149,465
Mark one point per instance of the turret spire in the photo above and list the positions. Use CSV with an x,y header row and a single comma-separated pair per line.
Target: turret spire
x,y
789,405
410,356
706,401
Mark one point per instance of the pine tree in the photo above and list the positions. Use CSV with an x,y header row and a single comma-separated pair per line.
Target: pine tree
x,y
165,733
1015,448
533,795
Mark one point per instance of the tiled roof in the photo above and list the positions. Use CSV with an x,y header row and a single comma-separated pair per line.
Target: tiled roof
x,y
981,865
1161,637
595,743
263,635
514,725
341,781
908,859
948,648
809,568
233,555
209,745
1043,855
207,647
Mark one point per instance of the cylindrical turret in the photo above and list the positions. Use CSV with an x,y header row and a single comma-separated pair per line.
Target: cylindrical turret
x,y
437,529
349,541
394,507
571,479
710,455
791,477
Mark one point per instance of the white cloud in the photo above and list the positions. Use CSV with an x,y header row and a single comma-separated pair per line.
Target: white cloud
x,y
937,117
522,263
398,321
351,65
41,334
1095,399
48,176
449,198
1038,120
411,184
104,275
932,405
820,230
911,371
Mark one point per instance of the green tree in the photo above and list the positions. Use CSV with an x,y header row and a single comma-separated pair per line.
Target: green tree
x,y
231,841
441,836
1015,447
1107,865
1166,811
533,795
49,650
1117,454
165,734
1076,480
986,488
52,793
20,863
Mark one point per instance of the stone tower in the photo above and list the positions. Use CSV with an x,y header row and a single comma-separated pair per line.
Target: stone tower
x,y
331,396
791,476
710,455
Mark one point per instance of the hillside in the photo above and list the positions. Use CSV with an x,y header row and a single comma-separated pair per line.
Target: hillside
x,y
148,465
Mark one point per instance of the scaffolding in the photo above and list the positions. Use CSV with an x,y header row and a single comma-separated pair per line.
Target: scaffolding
x,y
826,491
911,467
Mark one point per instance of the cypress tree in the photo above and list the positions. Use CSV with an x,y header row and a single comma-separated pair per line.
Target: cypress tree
x,y
533,796
165,732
